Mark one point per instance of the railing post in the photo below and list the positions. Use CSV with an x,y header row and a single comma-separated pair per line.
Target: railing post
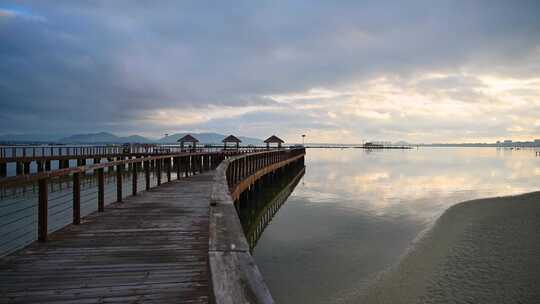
x,y
101,190
42,210
119,183
76,198
134,167
147,174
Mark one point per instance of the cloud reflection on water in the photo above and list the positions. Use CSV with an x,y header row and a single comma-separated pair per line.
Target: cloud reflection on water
x,y
356,212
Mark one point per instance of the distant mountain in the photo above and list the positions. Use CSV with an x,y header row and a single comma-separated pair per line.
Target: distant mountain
x,y
109,138
208,138
103,137
136,139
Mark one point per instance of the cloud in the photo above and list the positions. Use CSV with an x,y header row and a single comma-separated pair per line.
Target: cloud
x,y
20,13
381,69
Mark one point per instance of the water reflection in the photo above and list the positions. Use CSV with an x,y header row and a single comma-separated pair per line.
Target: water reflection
x,y
355,213
256,214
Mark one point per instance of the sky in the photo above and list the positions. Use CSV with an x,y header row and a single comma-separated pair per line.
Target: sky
x,y
337,71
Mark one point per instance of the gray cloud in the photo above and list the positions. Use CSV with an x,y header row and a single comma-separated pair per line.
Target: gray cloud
x,y
81,65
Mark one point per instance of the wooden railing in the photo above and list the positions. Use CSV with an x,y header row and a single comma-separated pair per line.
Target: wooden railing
x,y
28,151
235,277
31,159
27,189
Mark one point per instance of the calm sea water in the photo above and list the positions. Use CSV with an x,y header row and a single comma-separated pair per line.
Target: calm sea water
x,y
355,213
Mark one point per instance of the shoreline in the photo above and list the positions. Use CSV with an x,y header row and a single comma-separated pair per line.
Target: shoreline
x,y
479,251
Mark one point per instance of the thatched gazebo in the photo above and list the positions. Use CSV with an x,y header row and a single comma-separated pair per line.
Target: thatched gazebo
x,y
188,139
273,140
231,139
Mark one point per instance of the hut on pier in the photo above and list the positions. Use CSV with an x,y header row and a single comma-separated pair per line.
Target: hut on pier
x,y
188,139
231,139
273,140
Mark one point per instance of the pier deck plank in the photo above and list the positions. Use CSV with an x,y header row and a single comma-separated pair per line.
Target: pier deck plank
x,y
152,247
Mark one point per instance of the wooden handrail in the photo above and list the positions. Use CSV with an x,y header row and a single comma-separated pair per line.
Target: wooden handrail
x,y
31,178
163,163
235,277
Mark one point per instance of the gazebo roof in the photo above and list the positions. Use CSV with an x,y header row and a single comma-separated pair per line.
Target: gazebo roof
x,y
188,138
231,138
274,139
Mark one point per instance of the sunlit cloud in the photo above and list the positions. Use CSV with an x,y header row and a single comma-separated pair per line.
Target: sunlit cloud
x,y
370,71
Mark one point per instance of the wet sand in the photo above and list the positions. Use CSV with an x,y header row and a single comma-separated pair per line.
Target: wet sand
x,y
480,251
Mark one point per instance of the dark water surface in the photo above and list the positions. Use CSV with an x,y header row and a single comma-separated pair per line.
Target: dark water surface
x,y
355,213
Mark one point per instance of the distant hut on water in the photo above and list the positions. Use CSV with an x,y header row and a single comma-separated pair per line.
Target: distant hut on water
x,y
273,140
189,140
231,139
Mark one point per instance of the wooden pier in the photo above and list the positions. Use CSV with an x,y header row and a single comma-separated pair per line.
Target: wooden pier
x,y
45,158
180,242
152,246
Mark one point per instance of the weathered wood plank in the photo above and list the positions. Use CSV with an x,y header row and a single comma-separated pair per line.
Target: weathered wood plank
x,y
152,247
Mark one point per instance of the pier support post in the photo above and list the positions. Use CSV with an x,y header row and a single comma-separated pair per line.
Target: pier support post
x,y
3,169
158,169
134,168
185,162
27,168
43,200
19,168
119,183
101,190
76,198
147,174
64,163
177,167
168,164
192,163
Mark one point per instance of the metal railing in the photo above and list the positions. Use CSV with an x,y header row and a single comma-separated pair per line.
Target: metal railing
x,y
32,206
90,151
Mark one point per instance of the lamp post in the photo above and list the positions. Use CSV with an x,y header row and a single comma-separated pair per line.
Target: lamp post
x,y
303,136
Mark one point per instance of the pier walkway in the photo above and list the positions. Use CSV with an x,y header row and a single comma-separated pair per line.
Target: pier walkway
x,y
179,241
153,246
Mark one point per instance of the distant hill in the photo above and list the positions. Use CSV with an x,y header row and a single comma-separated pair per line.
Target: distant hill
x,y
103,137
109,138
208,138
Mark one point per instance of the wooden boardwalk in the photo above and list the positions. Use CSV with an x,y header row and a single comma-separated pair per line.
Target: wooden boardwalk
x,y
152,247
